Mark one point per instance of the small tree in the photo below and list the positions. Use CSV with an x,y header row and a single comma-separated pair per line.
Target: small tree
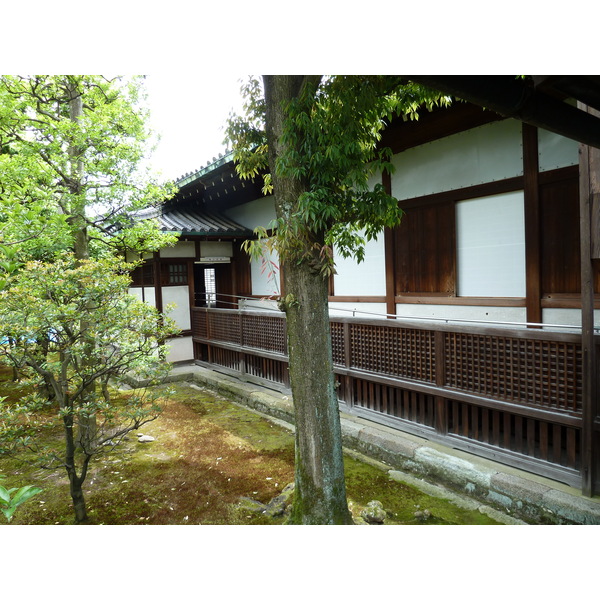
x,y
317,139
42,319
71,175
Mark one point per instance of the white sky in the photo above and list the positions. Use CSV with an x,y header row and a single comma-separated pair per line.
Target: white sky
x,y
190,119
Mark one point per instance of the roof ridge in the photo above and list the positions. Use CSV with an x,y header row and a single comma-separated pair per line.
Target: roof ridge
x,y
210,166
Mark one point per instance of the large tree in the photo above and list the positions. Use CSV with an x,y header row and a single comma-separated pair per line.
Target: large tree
x,y
317,139
72,150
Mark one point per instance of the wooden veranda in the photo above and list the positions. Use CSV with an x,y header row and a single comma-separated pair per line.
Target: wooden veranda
x,y
511,394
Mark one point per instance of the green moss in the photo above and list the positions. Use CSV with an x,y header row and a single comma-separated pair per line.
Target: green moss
x,y
365,482
208,454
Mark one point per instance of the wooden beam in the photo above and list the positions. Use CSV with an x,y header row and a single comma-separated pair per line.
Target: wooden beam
x,y
517,99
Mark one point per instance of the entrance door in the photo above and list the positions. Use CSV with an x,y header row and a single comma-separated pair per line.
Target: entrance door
x,y
213,286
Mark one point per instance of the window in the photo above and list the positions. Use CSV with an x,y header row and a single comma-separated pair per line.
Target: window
x,y
210,287
143,276
490,246
174,273
470,248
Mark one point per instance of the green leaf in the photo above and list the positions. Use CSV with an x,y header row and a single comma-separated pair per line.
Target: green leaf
x,y
24,494
4,495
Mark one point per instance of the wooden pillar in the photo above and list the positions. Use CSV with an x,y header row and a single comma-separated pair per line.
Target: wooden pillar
x,y
158,299
441,405
589,188
390,262
532,224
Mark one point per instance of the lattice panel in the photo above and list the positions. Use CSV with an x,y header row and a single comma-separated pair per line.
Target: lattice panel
x,y
407,353
551,442
411,406
264,333
225,327
225,358
199,324
536,372
337,343
267,368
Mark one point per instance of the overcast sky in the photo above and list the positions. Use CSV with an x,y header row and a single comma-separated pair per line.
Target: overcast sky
x,y
190,120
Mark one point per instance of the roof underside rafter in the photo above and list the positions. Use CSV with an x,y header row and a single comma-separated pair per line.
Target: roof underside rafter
x,y
538,100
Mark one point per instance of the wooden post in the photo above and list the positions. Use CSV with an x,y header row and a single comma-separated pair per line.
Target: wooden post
x,y
241,341
532,224
441,406
390,263
589,187
348,395
158,300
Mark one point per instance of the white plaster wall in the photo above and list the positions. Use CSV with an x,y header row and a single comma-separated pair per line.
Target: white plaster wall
x,y
212,249
361,279
566,316
490,235
258,213
480,155
149,294
362,310
259,304
180,349
471,313
179,295
179,250
265,275
556,151
137,292
133,256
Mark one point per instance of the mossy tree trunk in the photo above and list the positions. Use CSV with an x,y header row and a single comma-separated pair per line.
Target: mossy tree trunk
x,y
320,491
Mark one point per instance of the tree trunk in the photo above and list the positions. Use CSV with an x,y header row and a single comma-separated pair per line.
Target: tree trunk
x,y
75,481
81,249
320,490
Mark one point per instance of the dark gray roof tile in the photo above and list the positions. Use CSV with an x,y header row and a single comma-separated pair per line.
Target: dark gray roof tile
x,y
200,222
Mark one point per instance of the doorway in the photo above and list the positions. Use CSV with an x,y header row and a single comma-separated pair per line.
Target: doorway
x,y
213,286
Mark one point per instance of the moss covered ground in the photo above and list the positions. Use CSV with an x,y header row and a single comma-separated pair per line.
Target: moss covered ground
x,y
207,454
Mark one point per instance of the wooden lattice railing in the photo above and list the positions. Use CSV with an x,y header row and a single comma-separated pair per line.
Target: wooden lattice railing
x,y
510,394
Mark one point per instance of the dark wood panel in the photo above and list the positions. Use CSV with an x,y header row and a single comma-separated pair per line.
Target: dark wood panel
x,y
425,250
559,215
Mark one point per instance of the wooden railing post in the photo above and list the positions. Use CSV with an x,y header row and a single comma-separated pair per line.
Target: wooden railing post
x,y
208,335
441,405
242,361
348,394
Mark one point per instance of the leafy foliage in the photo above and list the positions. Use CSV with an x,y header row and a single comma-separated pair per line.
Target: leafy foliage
x,y
45,334
9,502
332,134
62,172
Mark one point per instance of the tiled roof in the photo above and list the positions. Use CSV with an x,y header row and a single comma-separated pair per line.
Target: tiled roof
x,y
199,222
209,168
194,222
